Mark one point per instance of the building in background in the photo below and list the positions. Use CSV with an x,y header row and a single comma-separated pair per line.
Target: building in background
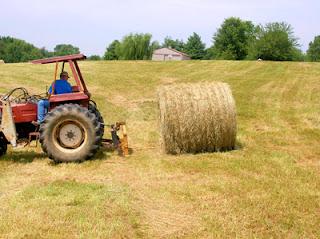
x,y
169,54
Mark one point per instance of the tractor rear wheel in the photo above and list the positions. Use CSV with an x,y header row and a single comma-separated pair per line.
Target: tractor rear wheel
x,y
70,133
96,112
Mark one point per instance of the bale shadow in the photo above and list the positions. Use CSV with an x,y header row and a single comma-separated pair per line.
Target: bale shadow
x,y
238,146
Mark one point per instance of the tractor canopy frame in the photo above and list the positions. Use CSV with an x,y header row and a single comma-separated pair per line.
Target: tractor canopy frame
x,y
80,92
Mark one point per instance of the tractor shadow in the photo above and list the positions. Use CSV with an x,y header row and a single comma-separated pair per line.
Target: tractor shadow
x,y
103,154
22,157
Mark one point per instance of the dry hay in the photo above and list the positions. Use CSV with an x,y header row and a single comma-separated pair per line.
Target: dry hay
x,y
196,118
169,79
1,61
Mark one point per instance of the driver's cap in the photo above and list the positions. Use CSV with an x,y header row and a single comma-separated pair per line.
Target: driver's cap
x,y
64,73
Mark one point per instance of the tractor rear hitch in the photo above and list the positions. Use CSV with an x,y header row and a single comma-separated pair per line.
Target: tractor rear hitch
x,y
116,143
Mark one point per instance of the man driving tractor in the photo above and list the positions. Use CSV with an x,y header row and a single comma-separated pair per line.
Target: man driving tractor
x,y
69,125
61,86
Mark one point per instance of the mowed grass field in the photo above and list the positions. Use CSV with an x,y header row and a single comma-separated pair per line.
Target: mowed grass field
x,y
269,187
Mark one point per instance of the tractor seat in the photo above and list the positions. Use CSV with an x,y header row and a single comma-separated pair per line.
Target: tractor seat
x,y
74,89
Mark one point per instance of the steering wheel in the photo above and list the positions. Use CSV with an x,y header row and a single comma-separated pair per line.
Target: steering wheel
x,y
38,97
18,99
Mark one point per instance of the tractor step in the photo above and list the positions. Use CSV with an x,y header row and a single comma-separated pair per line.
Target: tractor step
x,y
35,134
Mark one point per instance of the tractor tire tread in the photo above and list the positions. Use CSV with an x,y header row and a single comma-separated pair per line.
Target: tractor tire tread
x,y
64,111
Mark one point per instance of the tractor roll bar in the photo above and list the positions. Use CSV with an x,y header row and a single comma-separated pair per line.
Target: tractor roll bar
x,y
72,60
60,59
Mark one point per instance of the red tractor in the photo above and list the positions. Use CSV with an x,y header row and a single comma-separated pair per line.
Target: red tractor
x,y
73,128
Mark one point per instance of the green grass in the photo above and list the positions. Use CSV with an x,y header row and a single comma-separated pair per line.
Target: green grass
x,y
268,188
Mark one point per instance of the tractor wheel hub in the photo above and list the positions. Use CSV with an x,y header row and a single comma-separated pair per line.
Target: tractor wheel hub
x,y
71,135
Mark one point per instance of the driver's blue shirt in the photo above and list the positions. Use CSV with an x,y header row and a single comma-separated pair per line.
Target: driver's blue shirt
x,y
61,87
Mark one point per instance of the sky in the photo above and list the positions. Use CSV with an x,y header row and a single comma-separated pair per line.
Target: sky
x,y
92,25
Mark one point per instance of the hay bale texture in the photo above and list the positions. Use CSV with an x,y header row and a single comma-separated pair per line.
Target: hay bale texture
x,y
196,118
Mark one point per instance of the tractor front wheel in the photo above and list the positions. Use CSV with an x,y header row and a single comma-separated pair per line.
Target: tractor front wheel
x,y
70,133
3,148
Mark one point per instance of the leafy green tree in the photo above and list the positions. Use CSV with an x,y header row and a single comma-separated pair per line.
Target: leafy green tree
x,y
2,50
275,42
110,54
195,47
45,53
175,44
210,53
32,54
251,32
231,41
6,40
136,47
65,49
313,53
94,58
15,50
20,51
298,55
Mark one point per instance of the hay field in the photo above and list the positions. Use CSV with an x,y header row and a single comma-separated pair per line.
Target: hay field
x,y
269,187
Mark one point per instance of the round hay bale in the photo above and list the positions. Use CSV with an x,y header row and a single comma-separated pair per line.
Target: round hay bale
x,y
1,61
196,118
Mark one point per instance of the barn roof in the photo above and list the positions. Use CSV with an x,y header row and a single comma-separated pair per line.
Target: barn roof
x,y
171,49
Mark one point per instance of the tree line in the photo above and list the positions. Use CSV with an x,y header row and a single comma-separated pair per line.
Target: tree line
x,y
235,39
14,50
